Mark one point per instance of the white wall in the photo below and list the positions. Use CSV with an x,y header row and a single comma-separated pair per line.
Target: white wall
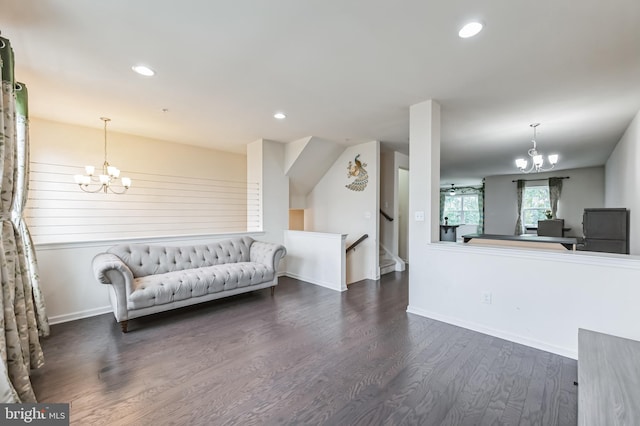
x,y
254,174
265,165
424,178
306,161
584,189
538,298
333,208
317,257
622,179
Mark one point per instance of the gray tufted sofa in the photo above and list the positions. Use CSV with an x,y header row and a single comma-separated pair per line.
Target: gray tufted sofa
x,y
145,279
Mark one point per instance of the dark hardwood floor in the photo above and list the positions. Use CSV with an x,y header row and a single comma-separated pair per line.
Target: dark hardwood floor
x,y
307,356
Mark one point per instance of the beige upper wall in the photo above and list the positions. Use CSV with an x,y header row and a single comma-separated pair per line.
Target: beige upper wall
x,y
59,143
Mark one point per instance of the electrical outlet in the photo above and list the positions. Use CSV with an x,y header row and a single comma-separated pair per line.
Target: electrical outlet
x,y
486,297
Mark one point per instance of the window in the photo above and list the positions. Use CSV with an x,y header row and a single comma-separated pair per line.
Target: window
x,y
462,209
535,202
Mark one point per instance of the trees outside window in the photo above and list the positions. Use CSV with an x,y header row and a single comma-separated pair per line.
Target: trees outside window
x,y
535,202
462,209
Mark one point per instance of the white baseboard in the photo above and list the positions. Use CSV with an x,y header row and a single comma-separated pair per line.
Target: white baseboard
x,y
387,269
58,319
495,333
315,282
400,263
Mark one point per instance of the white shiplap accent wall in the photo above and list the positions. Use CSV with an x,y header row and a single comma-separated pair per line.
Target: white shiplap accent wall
x,y
156,205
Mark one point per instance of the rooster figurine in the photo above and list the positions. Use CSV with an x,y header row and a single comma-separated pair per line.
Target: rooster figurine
x,y
357,170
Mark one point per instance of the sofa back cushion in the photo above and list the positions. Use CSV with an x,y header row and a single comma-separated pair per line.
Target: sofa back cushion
x,y
146,260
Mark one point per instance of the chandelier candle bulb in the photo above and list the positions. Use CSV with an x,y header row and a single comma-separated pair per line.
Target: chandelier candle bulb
x,y
537,160
90,170
113,171
82,179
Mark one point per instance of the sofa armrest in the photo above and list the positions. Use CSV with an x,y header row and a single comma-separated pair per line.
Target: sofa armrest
x,y
267,253
110,269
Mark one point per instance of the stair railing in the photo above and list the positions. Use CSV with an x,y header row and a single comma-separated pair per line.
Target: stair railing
x,y
358,241
386,216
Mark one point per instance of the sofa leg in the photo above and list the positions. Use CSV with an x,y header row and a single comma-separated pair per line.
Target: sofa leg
x,y
123,325
273,289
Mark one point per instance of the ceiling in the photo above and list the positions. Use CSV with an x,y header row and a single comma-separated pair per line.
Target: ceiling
x,y
343,71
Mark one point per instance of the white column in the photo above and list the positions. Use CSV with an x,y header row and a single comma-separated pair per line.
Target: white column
x,y
424,181
265,165
254,176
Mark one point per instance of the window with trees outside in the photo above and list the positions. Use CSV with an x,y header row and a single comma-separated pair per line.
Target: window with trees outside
x,y
462,209
535,202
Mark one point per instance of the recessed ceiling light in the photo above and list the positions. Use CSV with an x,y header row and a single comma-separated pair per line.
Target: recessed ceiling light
x,y
279,115
143,70
470,29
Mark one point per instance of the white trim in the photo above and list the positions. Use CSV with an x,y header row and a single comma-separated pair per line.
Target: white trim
x,y
568,256
329,235
326,284
150,240
59,319
461,211
494,332
400,263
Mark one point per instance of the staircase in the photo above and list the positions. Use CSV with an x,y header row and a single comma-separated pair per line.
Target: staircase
x,y
386,262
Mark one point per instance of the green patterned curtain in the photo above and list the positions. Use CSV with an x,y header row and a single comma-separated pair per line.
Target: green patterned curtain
x,y
520,190
555,189
24,318
481,208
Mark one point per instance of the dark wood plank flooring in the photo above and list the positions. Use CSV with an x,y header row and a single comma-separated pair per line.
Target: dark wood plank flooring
x,y
307,356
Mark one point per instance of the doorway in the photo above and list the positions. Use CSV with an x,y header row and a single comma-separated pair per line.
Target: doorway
x,y
296,219
403,214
